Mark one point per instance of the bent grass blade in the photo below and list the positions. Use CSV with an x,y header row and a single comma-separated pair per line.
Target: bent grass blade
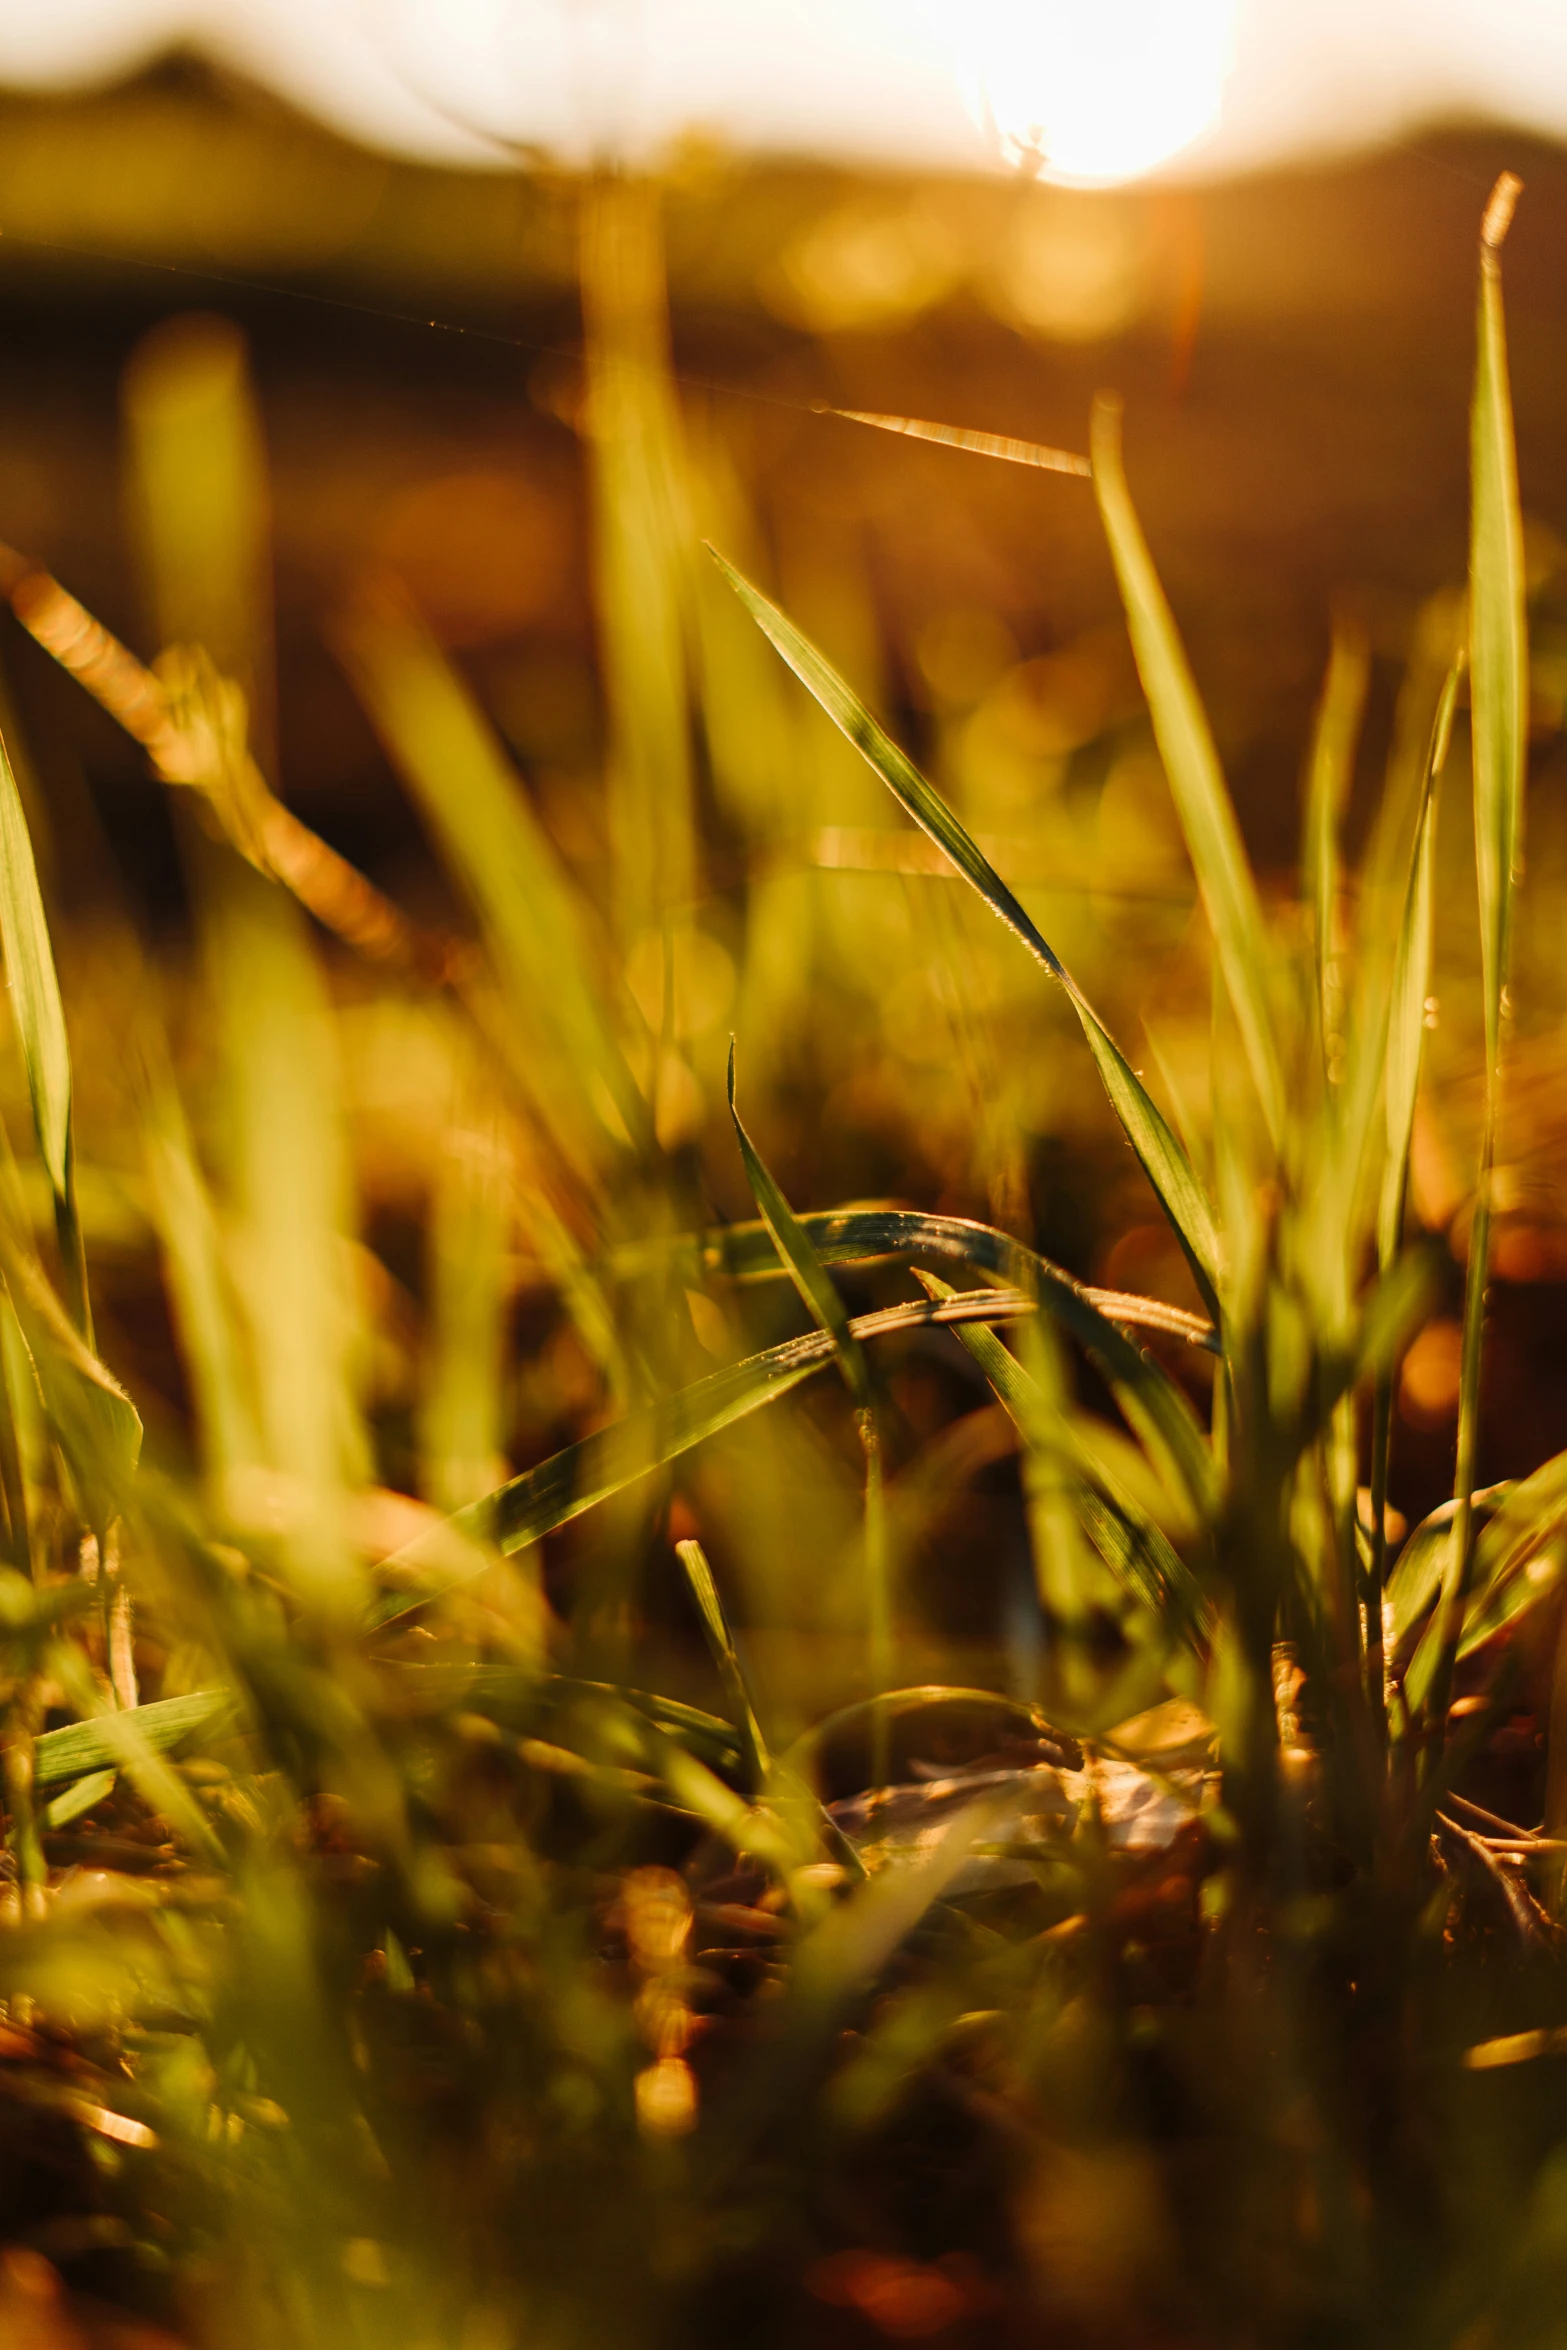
x,y
1132,1545
721,1640
1191,762
1153,1403
590,1471
1165,1163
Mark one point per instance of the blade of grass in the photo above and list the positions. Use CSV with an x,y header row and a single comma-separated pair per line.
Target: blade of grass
x,y
642,543
758,1761
200,502
40,1023
292,1190
978,444
461,1416
128,1747
1142,1387
799,1259
827,1310
88,1412
467,792
1165,1163
203,1313
855,1235
1329,776
59,1756
1132,1545
597,1466
1499,721
1405,1041
1191,763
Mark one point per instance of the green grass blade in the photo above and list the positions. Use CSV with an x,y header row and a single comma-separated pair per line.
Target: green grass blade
x,y
1498,629
855,1235
1517,1563
1416,1579
1407,1010
200,504
468,793
1519,1552
143,1760
1329,777
59,1756
79,1799
202,1310
1499,724
979,444
1165,1163
758,1761
799,1259
1191,763
40,1023
1132,1545
461,1417
588,1472
89,1414
1142,1387
643,548
1405,1043
293,1208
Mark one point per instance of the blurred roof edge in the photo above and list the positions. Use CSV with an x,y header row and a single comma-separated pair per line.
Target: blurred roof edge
x,y
189,167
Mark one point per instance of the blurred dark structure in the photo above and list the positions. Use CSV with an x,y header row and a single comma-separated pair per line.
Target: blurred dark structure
x,y
1294,351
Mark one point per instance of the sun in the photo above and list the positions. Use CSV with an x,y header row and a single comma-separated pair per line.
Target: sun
x,y
1091,91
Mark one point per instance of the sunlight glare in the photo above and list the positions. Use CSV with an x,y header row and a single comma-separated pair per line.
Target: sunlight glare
x,y
1092,91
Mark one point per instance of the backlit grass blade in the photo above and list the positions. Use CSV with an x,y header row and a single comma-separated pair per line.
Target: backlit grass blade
x,y
141,1758
726,1656
643,546
468,793
827,1309
1142,1387
292,1193
1407,1011
1191,763
461,1420
851,1235
40,1023
799,1259
1133,1546
1390,912
1499,724
588,1472
1166,1164
199,503
979,444
204,1320
1329,776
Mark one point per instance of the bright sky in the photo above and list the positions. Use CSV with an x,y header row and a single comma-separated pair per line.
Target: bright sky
x,y
1101,89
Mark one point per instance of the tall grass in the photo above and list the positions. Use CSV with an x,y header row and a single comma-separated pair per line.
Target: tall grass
x,y
408,1937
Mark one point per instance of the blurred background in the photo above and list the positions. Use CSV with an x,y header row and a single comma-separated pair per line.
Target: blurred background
x,y
357,244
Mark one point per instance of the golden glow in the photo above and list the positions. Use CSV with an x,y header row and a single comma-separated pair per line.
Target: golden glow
x,y
1092,91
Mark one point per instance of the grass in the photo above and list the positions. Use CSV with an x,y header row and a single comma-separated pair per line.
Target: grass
x,y
453,1905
